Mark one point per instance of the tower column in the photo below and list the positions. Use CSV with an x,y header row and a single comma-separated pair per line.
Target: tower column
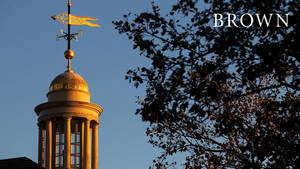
x,y
67,142
54,145
87,145
95,146
41,145
49,144
82,145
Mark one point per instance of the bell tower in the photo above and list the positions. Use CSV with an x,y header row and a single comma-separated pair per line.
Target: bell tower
x,y
68,125
68,122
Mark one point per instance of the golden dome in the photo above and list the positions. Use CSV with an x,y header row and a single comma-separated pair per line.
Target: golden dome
x,y
69,81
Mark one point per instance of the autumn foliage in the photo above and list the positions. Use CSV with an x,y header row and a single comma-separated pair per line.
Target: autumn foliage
x,y
222,97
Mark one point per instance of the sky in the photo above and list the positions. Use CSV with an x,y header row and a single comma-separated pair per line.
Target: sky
x,y
31,58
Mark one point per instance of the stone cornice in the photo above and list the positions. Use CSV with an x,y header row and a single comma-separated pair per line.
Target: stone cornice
x,y
49,105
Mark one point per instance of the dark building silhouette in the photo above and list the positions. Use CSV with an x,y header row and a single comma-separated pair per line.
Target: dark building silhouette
x,y
19,163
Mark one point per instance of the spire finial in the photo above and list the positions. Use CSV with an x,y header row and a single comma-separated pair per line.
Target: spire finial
x,y
69,25
68,19
69,54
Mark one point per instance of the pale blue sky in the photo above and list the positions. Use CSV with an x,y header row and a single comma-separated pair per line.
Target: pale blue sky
x,y
31,58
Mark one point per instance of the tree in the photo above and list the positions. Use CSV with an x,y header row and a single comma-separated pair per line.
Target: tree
x,y
227,97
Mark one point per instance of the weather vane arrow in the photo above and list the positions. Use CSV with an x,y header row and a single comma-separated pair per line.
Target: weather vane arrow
x,y
70,19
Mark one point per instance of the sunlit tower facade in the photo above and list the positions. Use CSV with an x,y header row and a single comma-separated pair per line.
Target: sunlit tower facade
x,y
68,122
68,125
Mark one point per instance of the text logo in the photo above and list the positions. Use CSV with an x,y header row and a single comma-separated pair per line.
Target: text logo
x,y
247,20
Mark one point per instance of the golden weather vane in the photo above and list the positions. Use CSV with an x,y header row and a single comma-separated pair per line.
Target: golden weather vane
x,y
68,19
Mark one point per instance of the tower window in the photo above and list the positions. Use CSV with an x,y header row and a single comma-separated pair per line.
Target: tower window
x,y
75,144
59,146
